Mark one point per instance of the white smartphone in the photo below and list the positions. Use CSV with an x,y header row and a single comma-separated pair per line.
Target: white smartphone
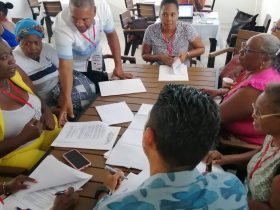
x,y
76,159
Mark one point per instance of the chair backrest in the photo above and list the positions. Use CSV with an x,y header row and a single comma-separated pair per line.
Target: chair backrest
x,y
126,19
146,11
15,20
35,8
267,22
52,8
33,2
243,36
128,3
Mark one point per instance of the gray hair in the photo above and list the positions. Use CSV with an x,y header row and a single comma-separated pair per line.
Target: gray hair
x,y
271,46
81,3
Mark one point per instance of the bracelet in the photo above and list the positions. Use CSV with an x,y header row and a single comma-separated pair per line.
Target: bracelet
x,y
4,188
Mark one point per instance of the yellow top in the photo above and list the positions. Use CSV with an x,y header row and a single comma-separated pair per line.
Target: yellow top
x,y
17,79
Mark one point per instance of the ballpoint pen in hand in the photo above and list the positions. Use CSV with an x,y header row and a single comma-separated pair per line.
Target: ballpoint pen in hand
x,y
112,170
63,191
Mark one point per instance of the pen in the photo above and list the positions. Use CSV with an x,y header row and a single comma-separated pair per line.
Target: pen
x,y
112,170
208,167
63,191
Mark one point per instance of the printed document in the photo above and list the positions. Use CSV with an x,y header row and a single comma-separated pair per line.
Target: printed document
x,y
119,87
115,113
87,135
178,72
41,195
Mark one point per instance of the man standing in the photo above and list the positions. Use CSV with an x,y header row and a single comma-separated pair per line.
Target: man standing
x,y
77,31
176,138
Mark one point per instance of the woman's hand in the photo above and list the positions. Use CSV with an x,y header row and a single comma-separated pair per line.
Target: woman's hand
x,y
31,130
216,157
47,119
167,59
118,72
113,182
67,200
184,56
18,183
212,93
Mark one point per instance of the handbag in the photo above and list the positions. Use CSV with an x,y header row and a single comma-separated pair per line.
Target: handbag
x,y
242,20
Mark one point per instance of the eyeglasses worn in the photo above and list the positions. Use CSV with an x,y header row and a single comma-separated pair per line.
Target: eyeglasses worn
x,y
245,49
258,115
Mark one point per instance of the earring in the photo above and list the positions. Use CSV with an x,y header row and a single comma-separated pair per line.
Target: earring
x,y
262,64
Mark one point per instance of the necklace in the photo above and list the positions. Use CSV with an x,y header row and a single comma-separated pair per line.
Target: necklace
x,y
6,85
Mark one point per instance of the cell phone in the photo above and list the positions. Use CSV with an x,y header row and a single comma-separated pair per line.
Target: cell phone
x,y
76,159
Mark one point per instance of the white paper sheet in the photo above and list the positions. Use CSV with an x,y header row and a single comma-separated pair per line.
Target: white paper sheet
x,y
215,168
145,109
132,137
87,135
115,113
41,196
119,87
166,73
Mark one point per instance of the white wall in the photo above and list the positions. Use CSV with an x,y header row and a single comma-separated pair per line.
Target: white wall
x,y
270,7
20,10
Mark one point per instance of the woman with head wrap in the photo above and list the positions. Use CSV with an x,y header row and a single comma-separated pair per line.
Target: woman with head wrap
x,y
6,26
39,60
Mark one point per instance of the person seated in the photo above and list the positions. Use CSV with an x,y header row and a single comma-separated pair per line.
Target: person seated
x,y
6,26
176,138
264,164
27,126
260,57
62,202
234,68
197,4
40,62
170,38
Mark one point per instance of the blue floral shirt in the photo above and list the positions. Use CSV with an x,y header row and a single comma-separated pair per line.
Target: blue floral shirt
x,y
182,190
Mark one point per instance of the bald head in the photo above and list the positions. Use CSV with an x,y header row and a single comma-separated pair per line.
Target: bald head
x,y
81,3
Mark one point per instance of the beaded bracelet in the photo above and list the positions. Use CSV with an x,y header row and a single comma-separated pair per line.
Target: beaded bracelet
x,y
4,188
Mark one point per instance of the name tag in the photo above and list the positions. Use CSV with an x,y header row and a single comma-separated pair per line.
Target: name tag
x,y
96,62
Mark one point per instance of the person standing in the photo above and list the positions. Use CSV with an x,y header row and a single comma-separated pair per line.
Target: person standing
x,y
77,31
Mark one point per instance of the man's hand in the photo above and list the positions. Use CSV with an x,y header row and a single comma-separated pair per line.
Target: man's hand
x,y
18,183
67,200
113,182
167,59
118,72
66,109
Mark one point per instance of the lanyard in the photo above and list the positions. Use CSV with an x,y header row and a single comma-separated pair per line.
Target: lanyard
x,y
169,45
87,38
15,97
261,161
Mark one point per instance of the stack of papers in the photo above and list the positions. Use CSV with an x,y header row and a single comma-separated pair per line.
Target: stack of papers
x,y
119,87
177,72
41,195
130,144
115,113
87,135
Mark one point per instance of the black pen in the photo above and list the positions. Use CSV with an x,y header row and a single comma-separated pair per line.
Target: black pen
x,y
208,167
62,192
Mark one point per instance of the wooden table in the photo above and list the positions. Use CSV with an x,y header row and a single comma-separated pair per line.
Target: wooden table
x,y
198,78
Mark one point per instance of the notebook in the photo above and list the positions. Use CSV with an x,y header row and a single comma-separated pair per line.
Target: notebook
x,y
185,11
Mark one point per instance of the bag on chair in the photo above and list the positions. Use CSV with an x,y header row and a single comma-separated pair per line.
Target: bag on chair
x,y
244,21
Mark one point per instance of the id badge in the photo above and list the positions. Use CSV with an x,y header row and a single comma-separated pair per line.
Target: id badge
x,y
96,62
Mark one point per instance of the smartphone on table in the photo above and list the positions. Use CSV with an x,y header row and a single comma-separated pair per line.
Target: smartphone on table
x,y
76,159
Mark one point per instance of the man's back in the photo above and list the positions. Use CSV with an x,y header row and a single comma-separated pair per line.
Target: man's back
x,y
182,190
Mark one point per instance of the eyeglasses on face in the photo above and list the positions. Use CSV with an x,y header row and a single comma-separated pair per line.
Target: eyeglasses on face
x,y
245,49
275,27
258,115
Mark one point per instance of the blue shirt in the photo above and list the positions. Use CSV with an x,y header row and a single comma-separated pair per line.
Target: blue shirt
x,y
182,190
